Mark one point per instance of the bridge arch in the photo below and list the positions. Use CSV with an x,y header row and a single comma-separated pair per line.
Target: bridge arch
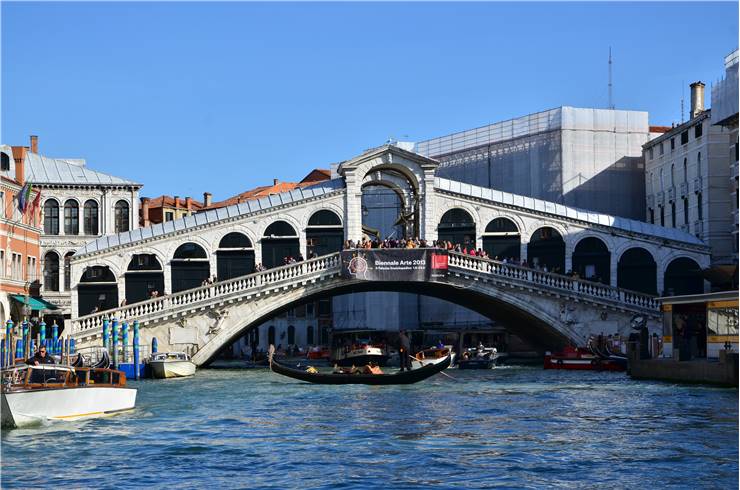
x,y
502,238
458,226
97,290
279,239
324,233
637,270
143,277
234,256
190,266
683,275
546,248
592,259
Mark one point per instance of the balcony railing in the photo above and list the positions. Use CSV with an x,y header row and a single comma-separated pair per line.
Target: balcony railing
x,y
697,185
684,188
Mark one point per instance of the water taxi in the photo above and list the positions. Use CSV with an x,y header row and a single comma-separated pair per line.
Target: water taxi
x,y
433,355
171,365
34,394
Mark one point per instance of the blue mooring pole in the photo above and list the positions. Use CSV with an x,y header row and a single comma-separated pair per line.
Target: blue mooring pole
x,y
54,337
2,352
124,334
106,335
8,346
154,345
25,336
19,349
42,333
136,349
71,346
115,343
33,346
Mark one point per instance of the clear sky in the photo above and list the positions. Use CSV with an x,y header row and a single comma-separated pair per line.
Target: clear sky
x,y
222,97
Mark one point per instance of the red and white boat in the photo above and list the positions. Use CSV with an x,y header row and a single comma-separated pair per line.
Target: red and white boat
x,y
583,359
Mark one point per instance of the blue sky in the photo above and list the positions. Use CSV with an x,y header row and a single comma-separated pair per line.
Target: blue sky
x,y
194,97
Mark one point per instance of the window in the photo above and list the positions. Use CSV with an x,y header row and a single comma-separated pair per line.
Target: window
x,y
31,268
4,162
661,180
662,216
686,210
673,214
2,204
650,183
673,144
652,215
660,148
650,151
169,216
51,217
736,151
698,129
71,218
685,170
685,137
698,164
17,267
67,271
673,171
699,210
90,218
121,217
51,271
2,263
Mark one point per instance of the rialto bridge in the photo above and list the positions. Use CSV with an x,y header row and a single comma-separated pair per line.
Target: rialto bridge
x,y
622,264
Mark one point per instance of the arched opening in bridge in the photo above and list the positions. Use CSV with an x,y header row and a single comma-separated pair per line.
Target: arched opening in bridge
x,y
637,271
683,276
144,278
324,234
234,257
546,250
592,260
390,204
96,291
501,239
279,242
190,267
458,227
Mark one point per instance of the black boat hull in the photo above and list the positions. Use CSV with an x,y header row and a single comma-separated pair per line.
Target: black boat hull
x,y
361,361
401,378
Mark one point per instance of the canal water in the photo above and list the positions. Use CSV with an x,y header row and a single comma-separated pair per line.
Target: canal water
x,y
510,427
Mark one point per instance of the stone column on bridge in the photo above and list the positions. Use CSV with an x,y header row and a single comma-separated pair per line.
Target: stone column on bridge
x,y
661,280
167,278
613,268
353,205
523,251
428,208
568,258
258,252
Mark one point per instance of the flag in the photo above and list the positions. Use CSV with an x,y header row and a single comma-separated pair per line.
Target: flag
x,y
23,196
36,201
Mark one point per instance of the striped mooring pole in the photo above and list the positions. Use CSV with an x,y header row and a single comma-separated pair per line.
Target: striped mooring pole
x,y
136,349
42,333
106,335
115,343
124,334
54,337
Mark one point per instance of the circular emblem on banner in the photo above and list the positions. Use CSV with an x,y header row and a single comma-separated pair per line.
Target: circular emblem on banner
x,y
357,265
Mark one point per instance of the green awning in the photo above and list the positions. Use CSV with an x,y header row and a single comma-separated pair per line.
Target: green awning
x,y
34,303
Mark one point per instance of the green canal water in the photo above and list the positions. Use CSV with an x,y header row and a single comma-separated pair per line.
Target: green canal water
x,y
516,427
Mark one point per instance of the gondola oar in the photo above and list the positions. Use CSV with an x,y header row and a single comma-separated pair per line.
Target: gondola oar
x,y
422,363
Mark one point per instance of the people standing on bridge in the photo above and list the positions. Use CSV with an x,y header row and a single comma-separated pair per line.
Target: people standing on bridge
x,y
404,350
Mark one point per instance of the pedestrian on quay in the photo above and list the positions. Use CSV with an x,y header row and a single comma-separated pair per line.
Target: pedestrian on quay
x,y
404,350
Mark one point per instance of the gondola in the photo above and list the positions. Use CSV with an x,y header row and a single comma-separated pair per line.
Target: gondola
x,y
400,378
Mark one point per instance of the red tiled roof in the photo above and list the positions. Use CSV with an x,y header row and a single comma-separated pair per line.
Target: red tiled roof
x,y
169,202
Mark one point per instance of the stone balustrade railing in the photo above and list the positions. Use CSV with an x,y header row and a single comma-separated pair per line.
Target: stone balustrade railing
x,y
240,286
555,281
170,304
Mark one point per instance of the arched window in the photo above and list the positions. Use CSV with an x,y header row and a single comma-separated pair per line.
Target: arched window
x,y
90,218
71,217
51,271
673,176
67,271
4,162
662,188
324,234
651,184
121,216
51,217
458,227
685,170
698,164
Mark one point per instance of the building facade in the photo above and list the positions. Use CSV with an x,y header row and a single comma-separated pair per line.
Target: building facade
x,y
20,255
166,208
78,204
687,179
585,158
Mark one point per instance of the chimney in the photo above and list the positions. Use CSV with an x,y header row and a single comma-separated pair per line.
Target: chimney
x,y
275,181
19,155
697,98
34,143
144,211
188,203
177,202
207,199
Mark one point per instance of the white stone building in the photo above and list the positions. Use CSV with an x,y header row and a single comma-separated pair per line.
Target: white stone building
x,y
77,205
687,179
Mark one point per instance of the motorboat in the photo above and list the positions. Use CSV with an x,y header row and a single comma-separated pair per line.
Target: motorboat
x,y
358,376
584,359
360,354
171,365
34,394
433,355
318,352
479,358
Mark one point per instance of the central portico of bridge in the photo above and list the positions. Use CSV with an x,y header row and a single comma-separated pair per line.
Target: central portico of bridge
x,y
628,262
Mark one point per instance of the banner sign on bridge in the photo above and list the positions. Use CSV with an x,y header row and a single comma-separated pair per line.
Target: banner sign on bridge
x,y
391,264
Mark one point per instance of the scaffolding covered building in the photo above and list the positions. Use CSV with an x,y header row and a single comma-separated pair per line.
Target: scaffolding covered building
x,y
585,158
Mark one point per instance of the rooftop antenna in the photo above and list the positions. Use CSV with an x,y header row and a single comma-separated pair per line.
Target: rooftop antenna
x,y
611,102
682,96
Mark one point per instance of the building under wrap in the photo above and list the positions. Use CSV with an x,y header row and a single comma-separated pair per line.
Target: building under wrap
x,y
585,158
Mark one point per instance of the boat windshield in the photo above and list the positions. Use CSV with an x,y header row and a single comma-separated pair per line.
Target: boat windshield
x,y
43,374
169,356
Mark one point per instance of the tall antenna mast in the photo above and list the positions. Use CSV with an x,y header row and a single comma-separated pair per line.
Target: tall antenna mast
x,y
682,96
611,102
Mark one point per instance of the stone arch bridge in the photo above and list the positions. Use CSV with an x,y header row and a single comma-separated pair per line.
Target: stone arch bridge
x,y
626,262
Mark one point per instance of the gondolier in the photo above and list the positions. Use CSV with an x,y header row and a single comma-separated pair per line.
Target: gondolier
x,y
404,350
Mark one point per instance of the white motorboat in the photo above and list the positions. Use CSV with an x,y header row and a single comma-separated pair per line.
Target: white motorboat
x,y
433,355
34,394
359,355
171,365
